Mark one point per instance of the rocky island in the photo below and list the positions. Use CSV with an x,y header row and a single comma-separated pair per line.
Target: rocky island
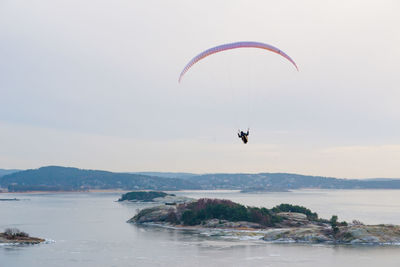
x,y
9,199
15,236
283,223
153,196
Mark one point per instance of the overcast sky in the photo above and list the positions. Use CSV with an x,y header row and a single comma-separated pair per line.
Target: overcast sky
x,y
93,84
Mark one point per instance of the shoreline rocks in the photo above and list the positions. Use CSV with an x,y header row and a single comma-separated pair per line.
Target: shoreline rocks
x,y
294,228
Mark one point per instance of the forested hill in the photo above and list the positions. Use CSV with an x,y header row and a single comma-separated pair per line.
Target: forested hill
x,y
5,172
287,181
54,178
182,175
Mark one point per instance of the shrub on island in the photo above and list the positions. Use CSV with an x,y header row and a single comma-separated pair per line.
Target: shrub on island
x,y
197,212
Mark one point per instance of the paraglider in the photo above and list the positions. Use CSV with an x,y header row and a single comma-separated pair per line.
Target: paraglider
x,y
244,136
230,46
220,48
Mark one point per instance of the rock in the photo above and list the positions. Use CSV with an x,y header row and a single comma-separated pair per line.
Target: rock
x,y
212,223
370,234
306,235
365,234
293,219
240,225
155,214
294,216
172,199
4,239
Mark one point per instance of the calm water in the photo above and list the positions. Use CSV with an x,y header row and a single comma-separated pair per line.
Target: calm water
x,y
90,229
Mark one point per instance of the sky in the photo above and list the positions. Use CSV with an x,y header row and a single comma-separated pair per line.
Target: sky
x,y
94,84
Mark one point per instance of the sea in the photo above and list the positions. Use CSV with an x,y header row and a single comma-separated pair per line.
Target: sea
x,y
90,229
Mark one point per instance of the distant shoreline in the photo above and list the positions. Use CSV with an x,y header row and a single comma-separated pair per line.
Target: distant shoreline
x,y
198,190
74,191
68,179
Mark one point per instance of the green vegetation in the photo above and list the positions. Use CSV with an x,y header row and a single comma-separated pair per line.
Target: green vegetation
x,y
195,213
312,216
145,196
335,224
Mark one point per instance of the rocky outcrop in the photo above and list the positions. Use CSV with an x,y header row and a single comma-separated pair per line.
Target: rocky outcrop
x,y
316,234
244,225
355,234
5,239
153,196
294,227
171,200
369,234
293,219
155,214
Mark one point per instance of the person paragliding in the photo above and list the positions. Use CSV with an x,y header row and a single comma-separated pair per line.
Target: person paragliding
x,y
224,47
244,136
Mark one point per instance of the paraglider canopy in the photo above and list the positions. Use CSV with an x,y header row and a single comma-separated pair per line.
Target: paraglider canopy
x,y
229,46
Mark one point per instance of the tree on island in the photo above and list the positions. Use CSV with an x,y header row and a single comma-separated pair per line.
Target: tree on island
x,y
198,212
13,233
334,223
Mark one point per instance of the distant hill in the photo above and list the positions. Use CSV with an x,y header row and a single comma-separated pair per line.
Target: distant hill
x,y
5,172
182,175
287,181
54,178
381,179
